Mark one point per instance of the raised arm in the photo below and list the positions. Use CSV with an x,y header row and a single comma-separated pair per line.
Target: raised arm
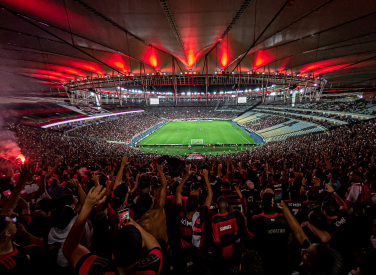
x,y
72,249
341,203
25,208
321,234
162,195
243,200
179,189
11,203
136,182
80,191
209,198
295,227
328,165
57,162
119,175
219,170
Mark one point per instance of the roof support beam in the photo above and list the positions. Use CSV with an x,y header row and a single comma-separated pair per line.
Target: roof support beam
x,y
234,20
174,27
254,43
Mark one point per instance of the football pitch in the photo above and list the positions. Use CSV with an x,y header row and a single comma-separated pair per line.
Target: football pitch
x,y
197,132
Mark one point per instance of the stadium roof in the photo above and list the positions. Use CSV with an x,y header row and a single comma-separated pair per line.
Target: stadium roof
x,y
45,42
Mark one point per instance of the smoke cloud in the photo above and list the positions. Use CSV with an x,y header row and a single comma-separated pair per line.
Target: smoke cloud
x,y
8,142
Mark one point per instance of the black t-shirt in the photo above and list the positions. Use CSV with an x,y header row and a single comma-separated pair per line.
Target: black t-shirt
x,y
250,194
91,264
342,233
296,207
271,233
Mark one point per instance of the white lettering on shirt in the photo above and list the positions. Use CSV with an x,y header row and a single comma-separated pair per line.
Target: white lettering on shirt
x,y
186,222
225,227
340,222
274,231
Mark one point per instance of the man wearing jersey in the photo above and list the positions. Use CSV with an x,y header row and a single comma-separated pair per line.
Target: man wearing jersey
x,y
270,232
311,204
126,247
295,206
191,221
224,229
342,227
257,205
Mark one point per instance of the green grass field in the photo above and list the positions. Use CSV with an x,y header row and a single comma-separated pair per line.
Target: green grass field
x,y
211,132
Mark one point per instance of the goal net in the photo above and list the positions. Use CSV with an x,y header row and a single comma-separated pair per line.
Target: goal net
x,y
197,141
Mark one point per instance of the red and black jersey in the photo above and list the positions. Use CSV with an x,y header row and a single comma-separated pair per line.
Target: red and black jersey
x,y
296,207
276,185
91,264
20,261
187,230
271,232
224,225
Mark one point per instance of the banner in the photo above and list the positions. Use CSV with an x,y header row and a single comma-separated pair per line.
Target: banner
x,y
195,155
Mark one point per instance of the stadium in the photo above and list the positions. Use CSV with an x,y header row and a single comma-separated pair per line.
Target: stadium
x,y
187,137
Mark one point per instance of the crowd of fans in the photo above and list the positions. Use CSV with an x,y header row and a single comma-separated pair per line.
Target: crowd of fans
x,y
323,123
317,114
190,112
265,122
348,105
66,210
121,128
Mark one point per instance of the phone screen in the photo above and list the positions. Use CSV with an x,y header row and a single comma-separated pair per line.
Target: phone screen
x,y
123,216
277,195
6,193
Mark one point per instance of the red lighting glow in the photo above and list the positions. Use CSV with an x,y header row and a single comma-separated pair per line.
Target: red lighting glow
x,y
21,158
153,61
262,58
224,59
191,59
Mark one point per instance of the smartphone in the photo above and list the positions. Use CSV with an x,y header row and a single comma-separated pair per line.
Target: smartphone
x,y
123,216
278,195
6,193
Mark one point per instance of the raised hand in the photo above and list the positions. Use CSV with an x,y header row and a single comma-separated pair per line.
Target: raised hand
x,y
95,196
204,173
329,189
25,172
125,161
282,205
95,177
74,183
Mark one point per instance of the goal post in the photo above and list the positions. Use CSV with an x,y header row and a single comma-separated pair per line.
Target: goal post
x,y
197,141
